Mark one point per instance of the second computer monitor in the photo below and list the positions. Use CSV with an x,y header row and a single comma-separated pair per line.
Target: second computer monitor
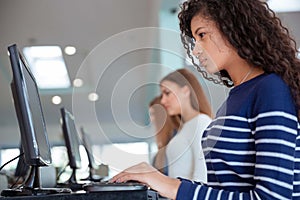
x,y
71,138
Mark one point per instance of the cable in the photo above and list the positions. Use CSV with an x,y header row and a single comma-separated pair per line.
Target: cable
x,y
11,161
62,171
18,178
15,183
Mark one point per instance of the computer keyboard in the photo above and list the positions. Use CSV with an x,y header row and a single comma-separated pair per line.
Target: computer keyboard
x,y
23,191
108,186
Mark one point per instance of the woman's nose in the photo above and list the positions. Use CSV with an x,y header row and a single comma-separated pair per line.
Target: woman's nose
x,y
163,99
197,50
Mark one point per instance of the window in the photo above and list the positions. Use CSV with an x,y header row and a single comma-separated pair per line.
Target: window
x,y
48,66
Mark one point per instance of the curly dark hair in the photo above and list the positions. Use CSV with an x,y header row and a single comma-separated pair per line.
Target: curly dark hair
x,y
254,31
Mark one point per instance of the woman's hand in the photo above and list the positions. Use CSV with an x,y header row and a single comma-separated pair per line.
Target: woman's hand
x,y
147,174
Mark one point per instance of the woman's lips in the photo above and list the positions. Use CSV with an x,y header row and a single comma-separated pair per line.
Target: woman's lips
x,y
203,61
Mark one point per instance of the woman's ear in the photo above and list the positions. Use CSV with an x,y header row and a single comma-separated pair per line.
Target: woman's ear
x,y
186,90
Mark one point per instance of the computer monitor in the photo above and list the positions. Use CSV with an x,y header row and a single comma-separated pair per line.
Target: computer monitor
x,y
72,143
31,121
86,141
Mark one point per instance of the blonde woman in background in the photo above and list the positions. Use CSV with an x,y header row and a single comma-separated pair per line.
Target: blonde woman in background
x,y
183,97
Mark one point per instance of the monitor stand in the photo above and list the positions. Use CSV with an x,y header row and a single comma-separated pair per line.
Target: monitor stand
x,y
72,183
92,176
32,186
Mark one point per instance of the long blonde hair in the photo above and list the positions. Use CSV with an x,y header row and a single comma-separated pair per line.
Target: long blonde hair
x,y
164,123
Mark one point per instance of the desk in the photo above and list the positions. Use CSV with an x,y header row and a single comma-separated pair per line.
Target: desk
x,y
117,195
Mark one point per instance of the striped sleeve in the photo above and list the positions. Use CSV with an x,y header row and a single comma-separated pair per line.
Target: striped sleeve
x,y
277,159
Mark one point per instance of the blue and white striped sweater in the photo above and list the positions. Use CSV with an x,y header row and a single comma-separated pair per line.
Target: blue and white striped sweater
x,y
252,148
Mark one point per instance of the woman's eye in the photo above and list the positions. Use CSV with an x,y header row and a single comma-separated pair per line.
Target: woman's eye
x,y
201,35
166,93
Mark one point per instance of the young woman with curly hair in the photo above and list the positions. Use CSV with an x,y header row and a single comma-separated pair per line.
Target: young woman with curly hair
x,y
252,147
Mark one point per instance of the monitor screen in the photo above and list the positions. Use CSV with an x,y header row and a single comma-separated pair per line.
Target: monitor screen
x,y
71,138
28,107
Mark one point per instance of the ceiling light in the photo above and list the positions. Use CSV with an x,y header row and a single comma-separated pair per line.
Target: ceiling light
x,y
70,50
77,82
284,6
93,96
47,66
56,100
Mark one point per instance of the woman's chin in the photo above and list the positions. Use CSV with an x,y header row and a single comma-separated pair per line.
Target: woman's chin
x,y
170,113
211,69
